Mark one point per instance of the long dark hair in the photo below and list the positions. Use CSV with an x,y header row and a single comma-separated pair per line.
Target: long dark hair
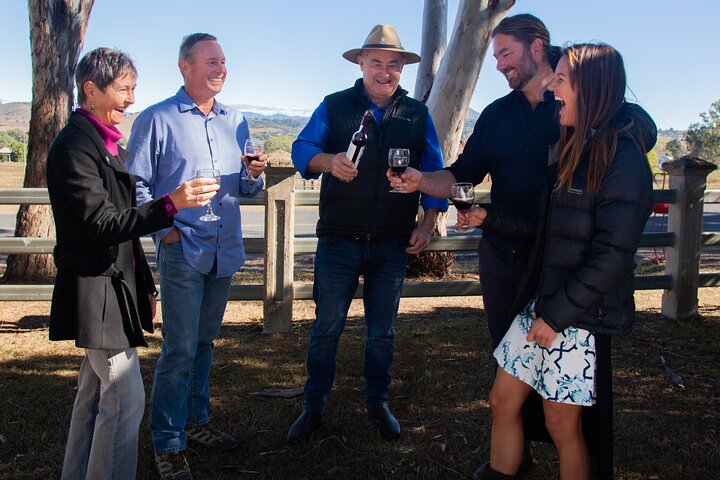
x,y
597,73
527,28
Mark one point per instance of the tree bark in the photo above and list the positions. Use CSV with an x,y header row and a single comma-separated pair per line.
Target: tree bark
x,y
434,41
460,67
57,30
445,83
431,264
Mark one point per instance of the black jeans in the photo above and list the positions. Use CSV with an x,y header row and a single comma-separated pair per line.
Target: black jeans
x,y
500,274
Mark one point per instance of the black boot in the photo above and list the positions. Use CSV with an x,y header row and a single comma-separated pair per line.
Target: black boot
x,y
304,426
386,422
485,472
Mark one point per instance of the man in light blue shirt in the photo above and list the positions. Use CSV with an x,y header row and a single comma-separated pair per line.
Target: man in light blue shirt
x,y
170,142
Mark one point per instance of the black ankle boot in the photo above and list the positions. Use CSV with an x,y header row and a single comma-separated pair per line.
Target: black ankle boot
x,y
303,427
386,422
485,472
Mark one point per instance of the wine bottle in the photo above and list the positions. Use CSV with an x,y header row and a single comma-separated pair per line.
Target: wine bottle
x,y
359,139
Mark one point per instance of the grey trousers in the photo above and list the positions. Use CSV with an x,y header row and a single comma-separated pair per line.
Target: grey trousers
x,y
103,438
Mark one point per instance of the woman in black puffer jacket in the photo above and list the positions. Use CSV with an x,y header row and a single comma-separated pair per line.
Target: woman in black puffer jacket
x,y
578,287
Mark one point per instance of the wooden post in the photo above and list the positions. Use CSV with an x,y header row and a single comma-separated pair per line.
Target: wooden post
x,y
279,246
688,177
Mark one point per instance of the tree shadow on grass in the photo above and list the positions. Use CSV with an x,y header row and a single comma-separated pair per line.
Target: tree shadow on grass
x,y
26,323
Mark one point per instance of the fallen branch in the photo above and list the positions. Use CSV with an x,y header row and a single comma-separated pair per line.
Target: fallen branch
x,y
279,392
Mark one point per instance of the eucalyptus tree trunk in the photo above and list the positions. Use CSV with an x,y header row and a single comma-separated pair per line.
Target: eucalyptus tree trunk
x,y
446,83
460,67
434,42
57,29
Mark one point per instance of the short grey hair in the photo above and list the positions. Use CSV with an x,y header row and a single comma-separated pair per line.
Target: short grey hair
x,y
102,66
189,41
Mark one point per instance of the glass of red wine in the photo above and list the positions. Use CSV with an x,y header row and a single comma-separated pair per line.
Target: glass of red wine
x,y
463,197
398,159
209,173
253,150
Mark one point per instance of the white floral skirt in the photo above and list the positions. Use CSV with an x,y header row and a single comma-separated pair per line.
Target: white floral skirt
x,y
564,373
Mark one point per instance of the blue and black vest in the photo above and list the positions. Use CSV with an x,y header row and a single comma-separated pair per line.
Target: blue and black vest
x,y
365,207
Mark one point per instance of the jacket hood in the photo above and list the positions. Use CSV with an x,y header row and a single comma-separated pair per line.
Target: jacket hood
x,y
633,121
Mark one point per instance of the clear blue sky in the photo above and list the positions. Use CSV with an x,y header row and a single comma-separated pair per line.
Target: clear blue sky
x,y
287,53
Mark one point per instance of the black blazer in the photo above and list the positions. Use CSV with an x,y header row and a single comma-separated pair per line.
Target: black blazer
x,y
101,290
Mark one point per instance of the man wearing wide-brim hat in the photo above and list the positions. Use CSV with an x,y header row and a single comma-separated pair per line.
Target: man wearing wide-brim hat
x,y
364,230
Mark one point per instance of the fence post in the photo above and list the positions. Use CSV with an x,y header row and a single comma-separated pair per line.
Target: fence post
x,y
279,246
688,177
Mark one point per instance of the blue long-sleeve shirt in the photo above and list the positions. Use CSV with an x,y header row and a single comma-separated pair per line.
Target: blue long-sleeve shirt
x,y
311,141
169,142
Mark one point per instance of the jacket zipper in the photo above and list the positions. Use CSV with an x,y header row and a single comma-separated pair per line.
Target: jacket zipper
x,y
388,113
556,187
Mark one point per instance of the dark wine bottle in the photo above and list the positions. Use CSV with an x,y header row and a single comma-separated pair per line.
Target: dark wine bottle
x,y
359,139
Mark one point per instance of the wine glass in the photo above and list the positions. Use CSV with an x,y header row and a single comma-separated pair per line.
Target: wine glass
x,y
209,173
398,159
463,197
253,150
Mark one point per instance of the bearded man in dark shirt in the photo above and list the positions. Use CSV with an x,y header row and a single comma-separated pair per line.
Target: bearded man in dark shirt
x,y
509,143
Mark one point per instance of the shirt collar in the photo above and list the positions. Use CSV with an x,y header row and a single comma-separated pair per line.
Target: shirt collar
x,y
185,103
548,98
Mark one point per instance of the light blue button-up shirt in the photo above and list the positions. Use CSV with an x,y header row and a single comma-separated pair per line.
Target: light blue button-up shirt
x,y
169,142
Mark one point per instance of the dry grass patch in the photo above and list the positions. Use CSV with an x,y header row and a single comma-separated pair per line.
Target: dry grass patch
x,y
441,382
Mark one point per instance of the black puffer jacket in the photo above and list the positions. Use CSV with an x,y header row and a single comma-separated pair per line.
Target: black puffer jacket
x,y
582,261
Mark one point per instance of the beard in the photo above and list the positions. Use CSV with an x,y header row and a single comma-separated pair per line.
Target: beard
x,y
526,70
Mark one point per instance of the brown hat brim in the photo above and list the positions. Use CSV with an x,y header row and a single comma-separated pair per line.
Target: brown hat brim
x,y
410,57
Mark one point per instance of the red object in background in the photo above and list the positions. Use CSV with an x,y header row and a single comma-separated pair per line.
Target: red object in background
x,y
661,208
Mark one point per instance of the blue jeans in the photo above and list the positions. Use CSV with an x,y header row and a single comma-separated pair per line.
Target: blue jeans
x,y
193,305
339,263
109,405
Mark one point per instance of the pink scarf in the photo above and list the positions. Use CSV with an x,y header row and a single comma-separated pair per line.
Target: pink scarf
x,y
110,135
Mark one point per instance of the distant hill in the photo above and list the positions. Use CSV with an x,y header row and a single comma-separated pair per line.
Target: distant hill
x,y
470,120
672,133
14,115
265,122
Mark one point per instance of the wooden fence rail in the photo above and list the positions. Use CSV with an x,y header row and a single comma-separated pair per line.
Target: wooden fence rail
x,y
680,282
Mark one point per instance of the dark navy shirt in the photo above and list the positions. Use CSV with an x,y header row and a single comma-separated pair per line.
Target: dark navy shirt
x,y
510,143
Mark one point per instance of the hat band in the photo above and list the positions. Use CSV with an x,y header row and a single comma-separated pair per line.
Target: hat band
x,y
381,46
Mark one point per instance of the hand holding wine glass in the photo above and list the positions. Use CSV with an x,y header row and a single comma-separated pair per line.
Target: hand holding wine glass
x,y
463,197
209,216
196,192
253,150
398,159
